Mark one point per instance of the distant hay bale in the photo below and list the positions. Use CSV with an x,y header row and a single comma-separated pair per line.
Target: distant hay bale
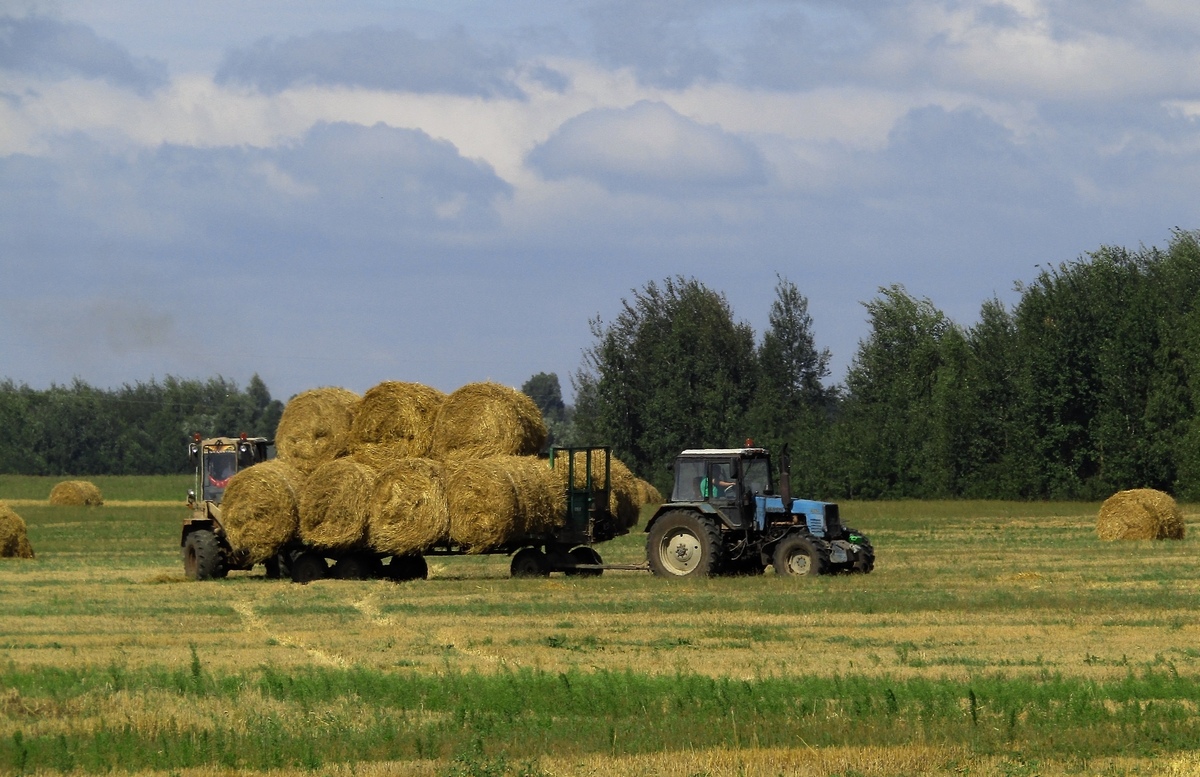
x,y
260,508
398,416
409,509
335,504
76,493
1140,514
315,426
487,419
14,536
498,499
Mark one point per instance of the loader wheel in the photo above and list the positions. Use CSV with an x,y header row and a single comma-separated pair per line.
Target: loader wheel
x,y
309,566
797,556
203,558
402,568
682,544
864,560
529,562
585,555
356,566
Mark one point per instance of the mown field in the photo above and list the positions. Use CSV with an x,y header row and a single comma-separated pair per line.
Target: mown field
x,y
992,639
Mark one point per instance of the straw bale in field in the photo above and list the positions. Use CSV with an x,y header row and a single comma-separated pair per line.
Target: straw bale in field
x,y
1140,514
76,493
315,426
487,419
14,538
497,499
261,508
397,415
335,504
409,510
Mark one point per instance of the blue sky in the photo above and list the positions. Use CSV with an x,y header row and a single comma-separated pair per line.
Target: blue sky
x,y
339,194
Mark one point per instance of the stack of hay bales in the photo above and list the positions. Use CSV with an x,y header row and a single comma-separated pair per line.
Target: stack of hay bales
x,y
76,493
14,538
1140,514
404,468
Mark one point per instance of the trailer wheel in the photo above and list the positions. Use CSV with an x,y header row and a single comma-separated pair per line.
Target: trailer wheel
x,y
356,566
797,556
529,562
402,568
202,556
682,544
309,566
585,555
277,567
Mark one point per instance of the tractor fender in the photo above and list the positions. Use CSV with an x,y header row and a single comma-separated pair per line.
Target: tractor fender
x,y
700,507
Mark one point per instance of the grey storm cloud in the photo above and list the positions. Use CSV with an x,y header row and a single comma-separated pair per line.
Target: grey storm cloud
x,y
46,47
341,185
648,147
661,41
375,58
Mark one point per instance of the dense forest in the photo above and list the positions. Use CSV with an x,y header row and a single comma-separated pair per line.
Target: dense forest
x,y
1090,383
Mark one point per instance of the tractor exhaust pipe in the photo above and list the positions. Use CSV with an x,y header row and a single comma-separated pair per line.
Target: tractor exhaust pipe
x,y
785,478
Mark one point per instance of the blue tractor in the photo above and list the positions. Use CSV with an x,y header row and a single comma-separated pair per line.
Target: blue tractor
x,y
724,518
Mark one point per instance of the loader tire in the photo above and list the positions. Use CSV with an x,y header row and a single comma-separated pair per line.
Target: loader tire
x,y
684,544
799,556
203,558
864,560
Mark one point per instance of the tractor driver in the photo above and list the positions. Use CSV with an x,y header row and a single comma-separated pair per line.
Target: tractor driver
x,y
723,485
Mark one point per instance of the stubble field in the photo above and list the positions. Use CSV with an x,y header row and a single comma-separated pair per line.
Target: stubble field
x,y
993,638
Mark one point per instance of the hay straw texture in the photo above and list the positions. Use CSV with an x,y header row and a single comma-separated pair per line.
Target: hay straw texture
x,y
409,509
315,426
335,504
1140,514
497,499
260,509
648,494
75,493
14,539
487,419
397,415
381,456
624,498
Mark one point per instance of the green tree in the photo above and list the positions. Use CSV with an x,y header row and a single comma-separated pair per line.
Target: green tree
x,y
674,370
546,392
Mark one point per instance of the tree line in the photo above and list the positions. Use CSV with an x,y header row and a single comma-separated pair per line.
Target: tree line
x,y
139,429
1088,384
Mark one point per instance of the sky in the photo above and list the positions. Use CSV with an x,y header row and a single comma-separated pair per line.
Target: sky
x,y
338,194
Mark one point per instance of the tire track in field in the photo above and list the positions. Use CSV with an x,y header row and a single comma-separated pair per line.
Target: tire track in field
x,y
371,611
252,620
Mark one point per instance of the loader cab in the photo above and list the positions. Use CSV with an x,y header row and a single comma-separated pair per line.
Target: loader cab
x,y
218,459
724,479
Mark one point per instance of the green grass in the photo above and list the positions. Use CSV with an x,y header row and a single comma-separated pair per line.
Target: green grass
x,y
527,713
113,487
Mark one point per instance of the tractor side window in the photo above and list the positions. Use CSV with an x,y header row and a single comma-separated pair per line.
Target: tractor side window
x,y
720,483
689,476
757,477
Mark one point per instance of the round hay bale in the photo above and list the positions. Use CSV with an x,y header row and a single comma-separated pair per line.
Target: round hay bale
x,y
76,493
397,415
624,496
335,504
409,510
1140,514
487,419
315,426
381,456
14,536
260,509
499,499
648,494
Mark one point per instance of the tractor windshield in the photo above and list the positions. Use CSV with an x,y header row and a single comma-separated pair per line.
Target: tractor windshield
x,y
756,476
218,469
